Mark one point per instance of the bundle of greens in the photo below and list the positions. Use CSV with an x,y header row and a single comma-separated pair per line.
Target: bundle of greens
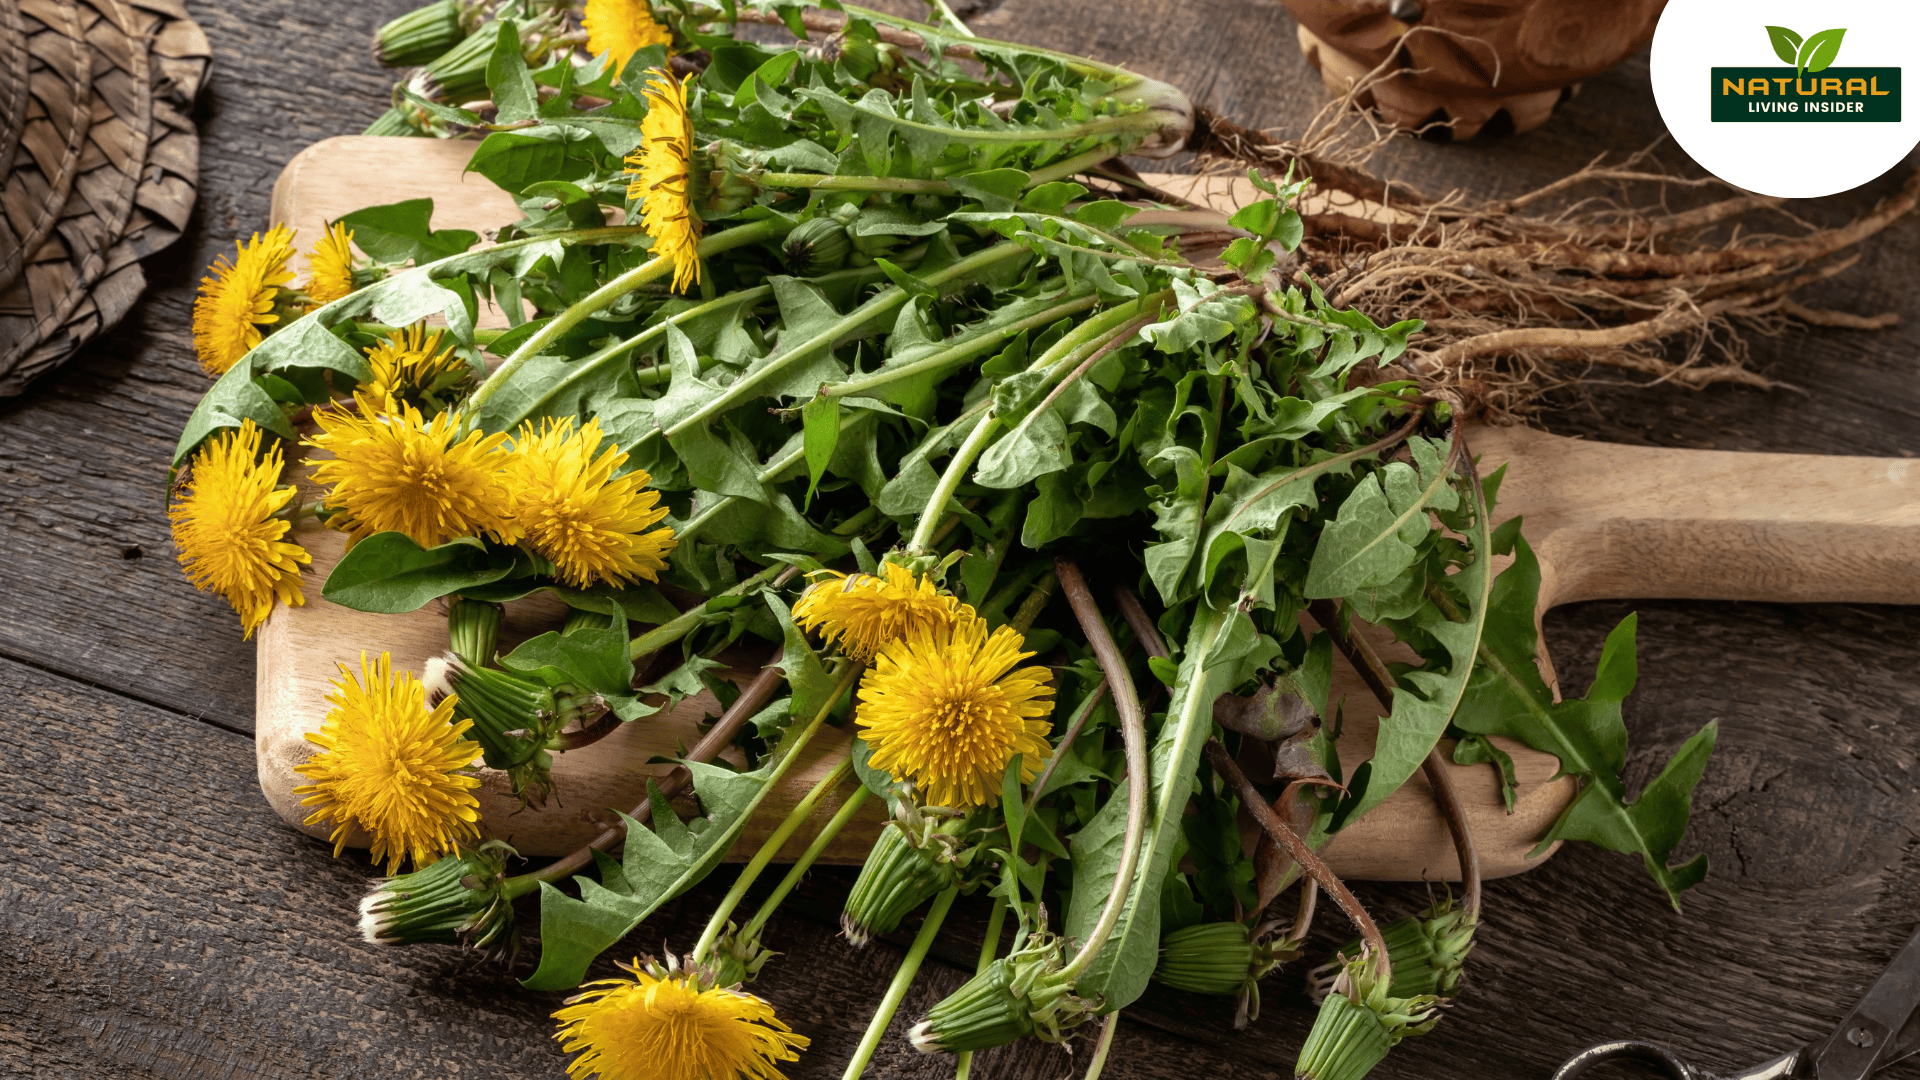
x,y
837,345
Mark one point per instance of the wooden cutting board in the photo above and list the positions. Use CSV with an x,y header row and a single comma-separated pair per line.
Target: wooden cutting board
x,y
1606,521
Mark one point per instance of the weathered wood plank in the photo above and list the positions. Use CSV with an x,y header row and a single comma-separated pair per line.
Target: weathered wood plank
x,y
150,898
89,580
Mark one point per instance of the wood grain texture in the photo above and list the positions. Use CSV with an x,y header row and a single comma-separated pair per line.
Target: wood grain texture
x,y
197,938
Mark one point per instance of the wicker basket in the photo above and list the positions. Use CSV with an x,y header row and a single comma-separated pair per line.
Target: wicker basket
x,y
98,165
1460,66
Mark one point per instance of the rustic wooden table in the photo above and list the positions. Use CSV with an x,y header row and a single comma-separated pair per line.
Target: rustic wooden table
x,y
157,921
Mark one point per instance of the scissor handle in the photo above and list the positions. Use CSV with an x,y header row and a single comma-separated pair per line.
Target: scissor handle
x,y
1628,1050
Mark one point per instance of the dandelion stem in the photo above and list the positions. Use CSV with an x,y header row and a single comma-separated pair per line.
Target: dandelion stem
x,y
752,699
1078,721
586,308
768,849
882,303
902,980
976,441
669,632
1133,735
825,182
807,858
1099,335
1282,834
1098,1064
1035,603
584,368
771,473
968,345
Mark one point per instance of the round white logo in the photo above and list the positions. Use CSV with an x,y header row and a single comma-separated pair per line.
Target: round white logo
x,y
1789,98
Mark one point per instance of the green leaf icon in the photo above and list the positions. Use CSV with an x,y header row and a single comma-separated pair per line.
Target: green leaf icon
x,y
1818,52
1786,44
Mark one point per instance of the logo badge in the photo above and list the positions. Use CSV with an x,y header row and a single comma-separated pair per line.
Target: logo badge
x,y
1730,109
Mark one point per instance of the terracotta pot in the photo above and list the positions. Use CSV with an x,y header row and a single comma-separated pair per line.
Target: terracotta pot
x,y
1467,61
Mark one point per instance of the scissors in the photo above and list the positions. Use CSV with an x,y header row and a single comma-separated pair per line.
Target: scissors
x,y
1878,1032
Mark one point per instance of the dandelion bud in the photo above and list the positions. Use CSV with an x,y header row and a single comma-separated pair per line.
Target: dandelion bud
x,y
396,121
1346,1042
897,878
1358,1023
1018,995
1213,958
455,901
816,247
737,959
508,712
1429,953
422,34
858,56
460,74
473,628
721,181
582,619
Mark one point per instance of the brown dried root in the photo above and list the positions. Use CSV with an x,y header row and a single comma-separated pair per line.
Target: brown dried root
x,y
1593,272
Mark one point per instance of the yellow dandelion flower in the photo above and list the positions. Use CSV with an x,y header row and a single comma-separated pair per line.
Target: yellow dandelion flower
x,y
224,525
575,512
621,28
410,363
236,299
392,767
941,709
393,470
862,612
663,1026
330,266
663,177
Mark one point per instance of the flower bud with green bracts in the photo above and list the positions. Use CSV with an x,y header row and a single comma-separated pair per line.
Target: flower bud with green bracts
x,y
1026,993
582,619
424,33
737,959
473,629
1213,958
1429,953
1359,1021
510,715
816,247
455,901
459,75
722,180
898,876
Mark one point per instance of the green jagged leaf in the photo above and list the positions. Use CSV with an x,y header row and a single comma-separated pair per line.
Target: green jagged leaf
x,y
1178,516
1206,314
595,659
820,419
508,79
235,398
806,674
1119,974
1428,698
513,160
403,231
1479,750
1380,525
388,573
1508,697
654,871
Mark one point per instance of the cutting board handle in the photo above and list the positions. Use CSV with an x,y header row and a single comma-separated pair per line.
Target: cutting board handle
x,y
1617,522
